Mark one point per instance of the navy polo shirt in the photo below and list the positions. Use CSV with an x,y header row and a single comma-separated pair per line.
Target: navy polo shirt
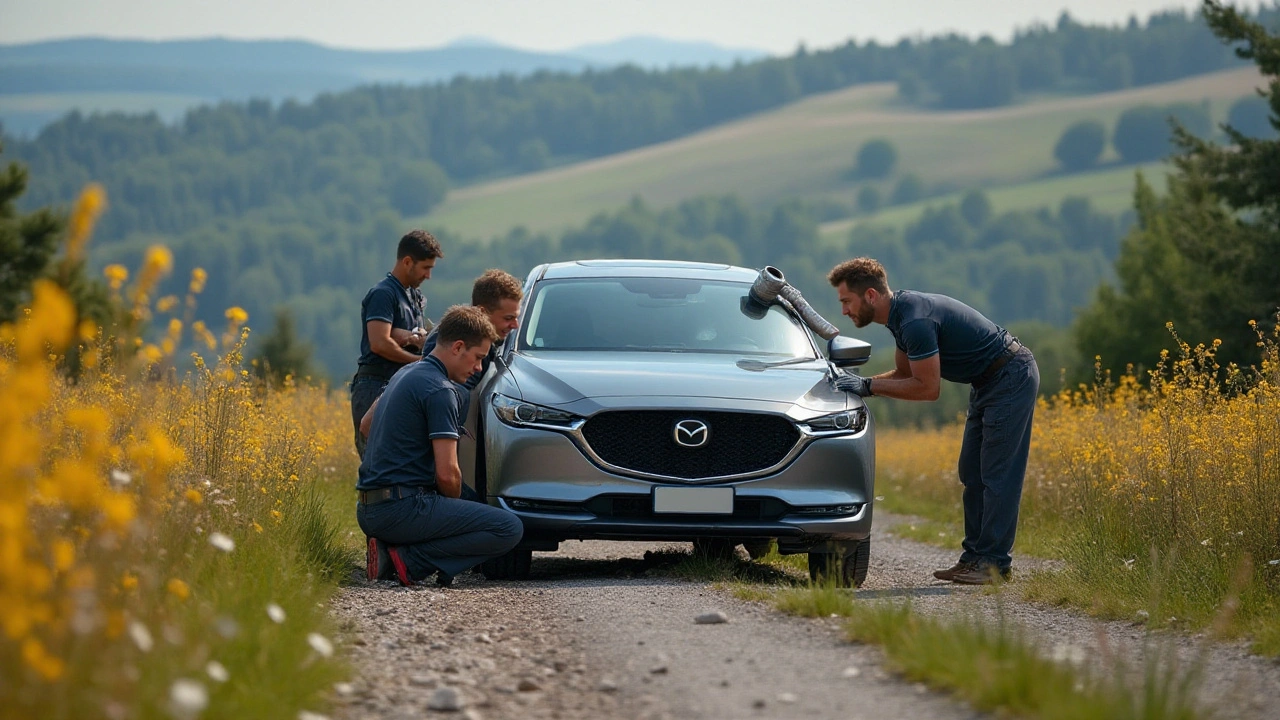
x,y
388,301
430,344
420,404
925,324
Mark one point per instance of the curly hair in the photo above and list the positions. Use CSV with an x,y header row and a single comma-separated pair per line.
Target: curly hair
x,y
859,274
493,287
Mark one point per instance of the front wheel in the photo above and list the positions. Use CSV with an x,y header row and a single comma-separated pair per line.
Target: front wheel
x,y
847,566
512,566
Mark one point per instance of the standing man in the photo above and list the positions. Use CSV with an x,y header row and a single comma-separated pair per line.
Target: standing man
x,y
940,338
391,323
410,482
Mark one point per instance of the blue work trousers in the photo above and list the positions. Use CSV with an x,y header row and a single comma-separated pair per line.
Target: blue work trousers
x,y
993,460
435,532
365,390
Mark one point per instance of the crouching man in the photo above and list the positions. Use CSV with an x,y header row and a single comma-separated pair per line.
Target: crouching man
x,y
410,482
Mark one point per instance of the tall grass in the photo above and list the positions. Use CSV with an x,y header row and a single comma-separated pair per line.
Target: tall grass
x,y
163,547
1158,491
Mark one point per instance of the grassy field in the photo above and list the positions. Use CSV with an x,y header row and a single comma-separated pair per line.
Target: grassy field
x,y
1109,190
806,149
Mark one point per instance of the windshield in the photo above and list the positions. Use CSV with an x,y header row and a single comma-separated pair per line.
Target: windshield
x,y
658,315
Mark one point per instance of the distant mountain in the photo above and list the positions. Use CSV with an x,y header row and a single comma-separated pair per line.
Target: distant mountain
x,y
41,81
655,52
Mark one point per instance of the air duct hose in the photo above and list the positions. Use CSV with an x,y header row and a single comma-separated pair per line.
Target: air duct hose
x,y
770,286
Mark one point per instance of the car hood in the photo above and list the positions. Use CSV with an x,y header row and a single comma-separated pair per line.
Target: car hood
x,y
563,377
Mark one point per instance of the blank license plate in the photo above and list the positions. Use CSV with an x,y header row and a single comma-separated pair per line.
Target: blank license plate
x,y
700,501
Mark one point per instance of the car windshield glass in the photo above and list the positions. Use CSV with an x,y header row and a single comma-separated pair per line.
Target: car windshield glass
x,y
658,315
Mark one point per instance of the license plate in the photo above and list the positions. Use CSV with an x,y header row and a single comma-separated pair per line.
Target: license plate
x,y
694,501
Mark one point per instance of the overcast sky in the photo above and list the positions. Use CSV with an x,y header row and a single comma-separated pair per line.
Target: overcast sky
x,y
772,25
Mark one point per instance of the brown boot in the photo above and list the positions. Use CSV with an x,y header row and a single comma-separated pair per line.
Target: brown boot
x,y
982,575
950,573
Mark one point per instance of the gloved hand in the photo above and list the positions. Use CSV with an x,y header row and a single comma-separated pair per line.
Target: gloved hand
x,y
855,384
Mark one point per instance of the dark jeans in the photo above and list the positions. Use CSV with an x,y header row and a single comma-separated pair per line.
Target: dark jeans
x,y
364,391
441,533
993,459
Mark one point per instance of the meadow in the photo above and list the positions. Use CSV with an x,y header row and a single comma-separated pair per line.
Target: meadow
x,y
1161,493
167,548
807,149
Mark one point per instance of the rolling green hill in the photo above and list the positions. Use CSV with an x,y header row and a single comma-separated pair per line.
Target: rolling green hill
x,y
806,150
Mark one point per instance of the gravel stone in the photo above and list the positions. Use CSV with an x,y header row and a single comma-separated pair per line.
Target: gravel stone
x,y
445,699
527,685
714,617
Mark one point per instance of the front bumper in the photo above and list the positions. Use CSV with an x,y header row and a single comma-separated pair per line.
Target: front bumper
x,y
824,494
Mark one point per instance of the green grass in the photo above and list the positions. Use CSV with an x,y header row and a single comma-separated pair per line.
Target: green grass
x,y
1001,668
806,149
1109,190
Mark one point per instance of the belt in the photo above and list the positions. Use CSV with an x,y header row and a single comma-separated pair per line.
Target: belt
x,y
395,492
1013,348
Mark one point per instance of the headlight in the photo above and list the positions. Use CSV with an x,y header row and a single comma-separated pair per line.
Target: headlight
x,y
841,423
525,414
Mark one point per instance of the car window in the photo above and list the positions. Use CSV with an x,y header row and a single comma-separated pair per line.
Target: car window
x,y
657,314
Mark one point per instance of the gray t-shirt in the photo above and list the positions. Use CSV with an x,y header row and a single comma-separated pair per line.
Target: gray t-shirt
x,y
420,404
925,324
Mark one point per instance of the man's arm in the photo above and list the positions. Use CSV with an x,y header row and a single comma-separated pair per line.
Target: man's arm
x,y
366,422
448,474
910,379
382,344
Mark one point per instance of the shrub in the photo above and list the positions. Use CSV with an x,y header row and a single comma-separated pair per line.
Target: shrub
x,y
1081,145
868,199
908,190
876,159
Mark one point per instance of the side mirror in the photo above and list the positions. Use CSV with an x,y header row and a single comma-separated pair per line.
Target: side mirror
x,y
848,352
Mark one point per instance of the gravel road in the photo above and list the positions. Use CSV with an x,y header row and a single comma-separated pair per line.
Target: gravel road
x,y
595,634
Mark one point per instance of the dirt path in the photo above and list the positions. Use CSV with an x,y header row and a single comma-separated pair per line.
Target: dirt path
x,y
594,634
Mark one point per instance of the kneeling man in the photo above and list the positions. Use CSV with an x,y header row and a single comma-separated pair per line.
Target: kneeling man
x,y
410,481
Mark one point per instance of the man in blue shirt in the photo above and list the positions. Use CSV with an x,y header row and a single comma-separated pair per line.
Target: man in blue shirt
x,y
940,338
410,482
391,323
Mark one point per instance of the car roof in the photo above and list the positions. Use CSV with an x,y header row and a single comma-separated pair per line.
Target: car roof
x,y
648,268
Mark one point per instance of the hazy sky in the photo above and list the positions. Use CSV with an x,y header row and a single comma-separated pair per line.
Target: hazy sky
x,y
774,25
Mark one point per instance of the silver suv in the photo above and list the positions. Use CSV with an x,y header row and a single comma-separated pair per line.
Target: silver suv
x,y
647,400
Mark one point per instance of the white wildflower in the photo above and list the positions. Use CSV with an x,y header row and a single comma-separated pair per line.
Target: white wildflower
x,y
1206,542
1273,562
217,671
141,636
187,698
320,644
120,477
308,715
222,542
275,612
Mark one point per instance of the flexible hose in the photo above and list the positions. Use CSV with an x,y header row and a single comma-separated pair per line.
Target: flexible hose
x,y
772,283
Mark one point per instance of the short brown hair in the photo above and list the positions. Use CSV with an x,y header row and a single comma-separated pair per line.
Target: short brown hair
x,y
859,274
466,323
419,245
493,287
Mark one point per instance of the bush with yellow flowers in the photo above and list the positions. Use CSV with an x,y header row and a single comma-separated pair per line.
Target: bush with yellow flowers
x,y
164,549
1162,493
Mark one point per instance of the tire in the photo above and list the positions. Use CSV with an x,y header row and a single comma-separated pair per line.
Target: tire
x,y
512,566
849,564
715,548
758,548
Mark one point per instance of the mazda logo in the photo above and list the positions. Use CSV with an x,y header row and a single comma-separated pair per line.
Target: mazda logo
x,y
692,433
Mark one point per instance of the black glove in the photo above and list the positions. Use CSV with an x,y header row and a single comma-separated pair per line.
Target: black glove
x,y
855,384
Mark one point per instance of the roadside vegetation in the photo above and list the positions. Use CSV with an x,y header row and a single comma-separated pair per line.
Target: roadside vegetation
x,y
165,546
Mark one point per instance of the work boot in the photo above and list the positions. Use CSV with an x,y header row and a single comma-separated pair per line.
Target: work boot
x,y
950,573
377,560
982,575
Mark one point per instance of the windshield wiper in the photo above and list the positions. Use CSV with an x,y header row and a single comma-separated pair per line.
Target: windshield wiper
x,y
759,365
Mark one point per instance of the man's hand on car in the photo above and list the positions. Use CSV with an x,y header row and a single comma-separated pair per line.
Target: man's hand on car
x,y
855,384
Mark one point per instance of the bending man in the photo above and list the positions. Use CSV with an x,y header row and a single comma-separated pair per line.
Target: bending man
x,y
940,338
410,481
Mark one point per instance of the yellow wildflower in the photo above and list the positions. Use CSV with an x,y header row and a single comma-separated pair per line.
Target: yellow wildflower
x,y
178,589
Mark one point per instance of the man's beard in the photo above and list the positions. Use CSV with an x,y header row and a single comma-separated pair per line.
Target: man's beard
x,y
865,315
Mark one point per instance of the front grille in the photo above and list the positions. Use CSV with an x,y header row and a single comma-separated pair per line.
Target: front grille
x,y
643,441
